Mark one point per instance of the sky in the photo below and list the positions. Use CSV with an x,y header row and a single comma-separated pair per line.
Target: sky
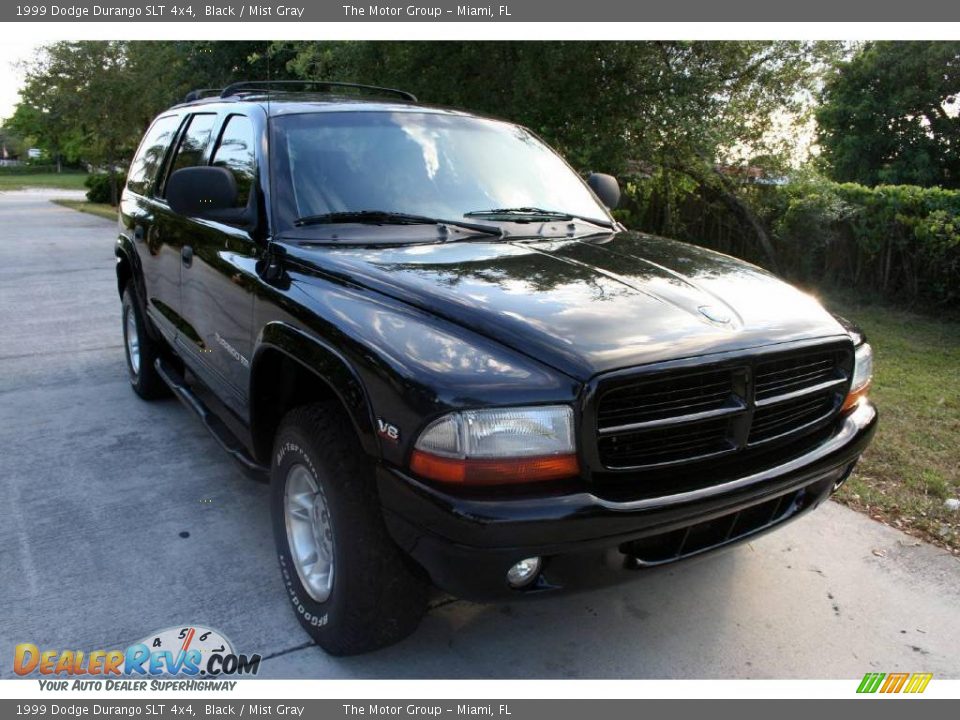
x,y
12,52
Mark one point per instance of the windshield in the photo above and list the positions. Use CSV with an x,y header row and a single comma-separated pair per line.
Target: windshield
x,y
427,164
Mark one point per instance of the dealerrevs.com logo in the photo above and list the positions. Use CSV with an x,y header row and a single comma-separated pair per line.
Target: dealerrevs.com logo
x,y
189,651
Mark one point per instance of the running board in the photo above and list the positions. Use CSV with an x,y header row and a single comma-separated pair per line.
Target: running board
x,y
221,433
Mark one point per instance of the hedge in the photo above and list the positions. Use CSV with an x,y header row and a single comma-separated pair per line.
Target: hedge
x,y
902,241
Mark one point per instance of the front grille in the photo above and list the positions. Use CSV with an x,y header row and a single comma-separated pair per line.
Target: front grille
x,y
720,531
654,419
786,417
668,444
797,372
656,398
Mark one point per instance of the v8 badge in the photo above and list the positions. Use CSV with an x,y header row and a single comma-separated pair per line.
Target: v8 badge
x,y
388,431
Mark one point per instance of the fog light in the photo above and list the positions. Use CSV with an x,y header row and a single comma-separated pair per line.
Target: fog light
x,y
524,572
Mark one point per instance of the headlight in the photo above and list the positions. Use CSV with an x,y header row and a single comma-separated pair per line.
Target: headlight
x,y
862,376
498,446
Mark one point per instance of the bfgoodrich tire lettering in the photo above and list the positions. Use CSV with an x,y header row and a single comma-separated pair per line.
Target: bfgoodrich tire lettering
x,y
376,597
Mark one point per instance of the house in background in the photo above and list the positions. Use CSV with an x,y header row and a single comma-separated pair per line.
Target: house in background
x,y
8,158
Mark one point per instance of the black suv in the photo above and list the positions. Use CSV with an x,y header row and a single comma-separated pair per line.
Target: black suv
x,y
455,366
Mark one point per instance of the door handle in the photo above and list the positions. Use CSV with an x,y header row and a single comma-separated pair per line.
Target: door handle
x,y
186,255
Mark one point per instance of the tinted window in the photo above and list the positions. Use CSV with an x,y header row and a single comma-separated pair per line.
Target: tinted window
x,y
422,163
152,151
235,151
194,142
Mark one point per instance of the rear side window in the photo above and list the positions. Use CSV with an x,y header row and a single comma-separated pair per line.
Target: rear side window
x,y
235,151
152,151
194,142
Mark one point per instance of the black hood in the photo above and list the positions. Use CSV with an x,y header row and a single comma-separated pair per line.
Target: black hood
x,y
588,305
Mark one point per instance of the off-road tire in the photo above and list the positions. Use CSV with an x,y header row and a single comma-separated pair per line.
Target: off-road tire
x,y
377,597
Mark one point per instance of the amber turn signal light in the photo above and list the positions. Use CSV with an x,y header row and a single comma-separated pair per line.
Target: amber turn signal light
x,y
862,377
855,396
501,471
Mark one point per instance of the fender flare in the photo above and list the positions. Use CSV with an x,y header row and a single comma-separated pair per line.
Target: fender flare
x,y
329,366
126,253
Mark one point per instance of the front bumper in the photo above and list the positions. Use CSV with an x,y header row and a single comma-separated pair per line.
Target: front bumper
x,y
467,545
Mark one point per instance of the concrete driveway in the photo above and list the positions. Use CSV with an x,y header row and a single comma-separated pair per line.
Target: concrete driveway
x,y
119,517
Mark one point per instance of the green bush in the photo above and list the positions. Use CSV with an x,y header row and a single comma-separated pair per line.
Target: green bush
x,y
898,240
674,205
99,187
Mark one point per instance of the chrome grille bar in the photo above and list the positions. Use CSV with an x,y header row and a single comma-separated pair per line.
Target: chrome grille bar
x,y
657,419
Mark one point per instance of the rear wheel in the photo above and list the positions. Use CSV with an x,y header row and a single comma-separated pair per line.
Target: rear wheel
x,y
350,586
141,350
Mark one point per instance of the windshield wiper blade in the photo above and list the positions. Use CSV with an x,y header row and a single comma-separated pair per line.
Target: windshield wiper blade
x,y
533,213
386,217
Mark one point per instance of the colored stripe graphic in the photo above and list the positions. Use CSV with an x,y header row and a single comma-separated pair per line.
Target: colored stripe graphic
x,y
894,682
918,682
870,682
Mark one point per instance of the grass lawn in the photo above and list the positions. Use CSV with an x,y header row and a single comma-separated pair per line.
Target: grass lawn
x,y
913,464
100,209
59,181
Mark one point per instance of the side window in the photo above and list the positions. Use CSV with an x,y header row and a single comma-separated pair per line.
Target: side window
x,y
152,151
235,151
194,142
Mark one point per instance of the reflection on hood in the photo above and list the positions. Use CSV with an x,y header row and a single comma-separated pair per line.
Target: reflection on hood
x,y
590,305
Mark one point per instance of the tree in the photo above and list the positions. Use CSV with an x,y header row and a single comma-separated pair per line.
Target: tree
x,y
44,124
681,107
601,103
889,115
91,101
165,71
80,101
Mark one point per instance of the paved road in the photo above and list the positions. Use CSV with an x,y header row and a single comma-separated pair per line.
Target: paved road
x,y
97,489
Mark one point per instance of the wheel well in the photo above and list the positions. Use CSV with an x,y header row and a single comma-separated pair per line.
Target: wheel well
x,y
279,384
124,273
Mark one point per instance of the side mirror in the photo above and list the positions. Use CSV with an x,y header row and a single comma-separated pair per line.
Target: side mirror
x,y
204,192
606,188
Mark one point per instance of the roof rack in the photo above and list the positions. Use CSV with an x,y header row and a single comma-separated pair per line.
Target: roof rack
x,y
267,85
200,93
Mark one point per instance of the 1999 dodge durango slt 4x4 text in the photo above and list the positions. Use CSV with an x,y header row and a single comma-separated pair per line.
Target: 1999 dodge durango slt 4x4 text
x,y
456,367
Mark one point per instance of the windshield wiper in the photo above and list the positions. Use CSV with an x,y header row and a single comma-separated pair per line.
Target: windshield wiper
x,y
385,217
531,214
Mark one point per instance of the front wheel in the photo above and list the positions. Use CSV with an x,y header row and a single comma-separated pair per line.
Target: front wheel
x,y
350,586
